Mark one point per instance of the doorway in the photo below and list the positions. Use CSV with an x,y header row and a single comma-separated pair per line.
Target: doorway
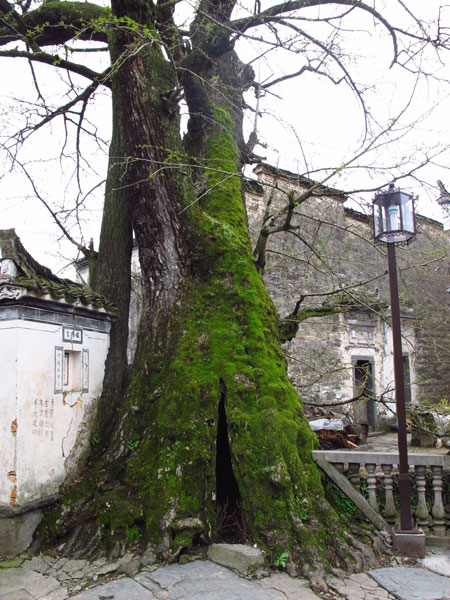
x,y
364,383
407,378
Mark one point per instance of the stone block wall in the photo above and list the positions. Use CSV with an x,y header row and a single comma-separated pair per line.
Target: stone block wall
x,y
330,248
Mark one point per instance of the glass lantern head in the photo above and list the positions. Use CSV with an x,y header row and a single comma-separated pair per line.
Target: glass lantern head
x,y
394,220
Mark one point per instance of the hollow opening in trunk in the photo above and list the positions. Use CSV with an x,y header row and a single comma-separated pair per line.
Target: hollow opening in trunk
x,y
231,522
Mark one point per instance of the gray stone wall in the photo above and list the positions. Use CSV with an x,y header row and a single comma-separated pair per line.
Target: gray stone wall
x,y
330,249
425,289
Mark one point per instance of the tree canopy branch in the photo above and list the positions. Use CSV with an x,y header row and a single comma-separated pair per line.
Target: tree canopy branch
x,y
273,13
56,61
53,23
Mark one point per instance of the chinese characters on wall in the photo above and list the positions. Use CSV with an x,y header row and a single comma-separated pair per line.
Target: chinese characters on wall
x,y
43,418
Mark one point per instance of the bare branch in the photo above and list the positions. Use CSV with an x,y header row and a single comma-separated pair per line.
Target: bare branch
x,y
61,63
273,13
85,251
63,110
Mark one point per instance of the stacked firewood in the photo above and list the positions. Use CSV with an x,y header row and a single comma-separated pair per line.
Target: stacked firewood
x,y
333,429
330,440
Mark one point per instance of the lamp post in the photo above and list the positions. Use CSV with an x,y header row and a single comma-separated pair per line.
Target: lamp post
x,y
394,225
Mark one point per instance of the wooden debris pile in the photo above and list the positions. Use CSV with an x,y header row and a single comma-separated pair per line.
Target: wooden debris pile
x,y
330,440
333,430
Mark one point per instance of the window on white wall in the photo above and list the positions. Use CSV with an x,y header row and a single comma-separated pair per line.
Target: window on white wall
x,y
72,371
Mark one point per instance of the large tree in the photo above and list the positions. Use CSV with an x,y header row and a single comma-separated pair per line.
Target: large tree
x,y
204,437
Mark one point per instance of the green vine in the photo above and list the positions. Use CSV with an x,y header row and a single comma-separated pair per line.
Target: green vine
x,y
340,501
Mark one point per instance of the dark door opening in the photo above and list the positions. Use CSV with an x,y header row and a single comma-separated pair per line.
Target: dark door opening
x,y
365,409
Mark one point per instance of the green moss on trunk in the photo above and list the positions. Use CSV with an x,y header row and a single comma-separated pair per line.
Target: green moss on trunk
x,y
209,414
223,345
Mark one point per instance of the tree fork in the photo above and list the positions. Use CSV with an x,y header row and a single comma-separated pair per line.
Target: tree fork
x,y
208,332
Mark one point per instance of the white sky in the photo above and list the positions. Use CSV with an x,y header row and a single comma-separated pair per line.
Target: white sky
x,y
308,123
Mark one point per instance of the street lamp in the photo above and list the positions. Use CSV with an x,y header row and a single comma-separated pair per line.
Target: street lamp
x,y
394,225
394,221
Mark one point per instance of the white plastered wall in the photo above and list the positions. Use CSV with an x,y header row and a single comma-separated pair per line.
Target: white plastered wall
x,y
8,409
52,426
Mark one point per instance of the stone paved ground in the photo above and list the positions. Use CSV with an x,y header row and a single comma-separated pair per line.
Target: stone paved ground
x,y
413,584
388,442
359,587
50,578
47,578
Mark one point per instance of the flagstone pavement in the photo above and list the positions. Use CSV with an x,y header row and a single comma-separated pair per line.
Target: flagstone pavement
x,y
51,578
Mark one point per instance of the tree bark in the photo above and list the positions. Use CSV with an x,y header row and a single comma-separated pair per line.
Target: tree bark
x,y
207,440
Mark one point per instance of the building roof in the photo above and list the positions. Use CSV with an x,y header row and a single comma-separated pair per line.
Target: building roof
x,y
253,187
21,275
367,218
322,190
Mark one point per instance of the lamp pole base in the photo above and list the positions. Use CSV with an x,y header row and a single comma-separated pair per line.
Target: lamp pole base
x,y
409,543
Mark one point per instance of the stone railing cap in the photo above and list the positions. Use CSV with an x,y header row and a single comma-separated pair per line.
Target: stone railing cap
x,y
380,458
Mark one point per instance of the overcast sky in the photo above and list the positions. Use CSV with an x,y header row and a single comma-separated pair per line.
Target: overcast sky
x,y
309,125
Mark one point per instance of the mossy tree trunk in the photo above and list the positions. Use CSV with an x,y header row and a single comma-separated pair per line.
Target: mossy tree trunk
x,y
209,440
205,438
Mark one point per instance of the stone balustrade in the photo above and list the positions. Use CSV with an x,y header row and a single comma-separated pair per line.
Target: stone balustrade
x,y
380,468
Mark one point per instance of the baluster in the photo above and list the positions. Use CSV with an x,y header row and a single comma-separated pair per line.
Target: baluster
x,y
372,485
438,510
422,514
354,475
339,467
389,505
